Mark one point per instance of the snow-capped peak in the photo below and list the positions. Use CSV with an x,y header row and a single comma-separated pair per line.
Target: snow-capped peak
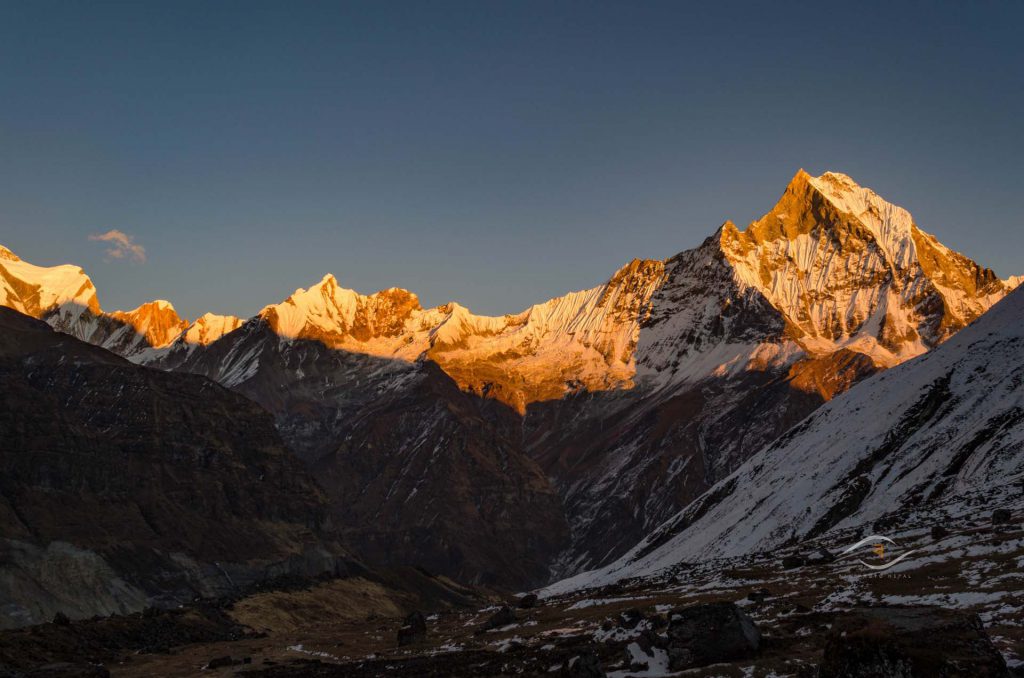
x,y
156,323
847,269
210,327
341,317
65,297
890,224
43,290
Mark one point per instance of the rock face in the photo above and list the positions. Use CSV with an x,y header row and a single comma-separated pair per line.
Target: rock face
x,y
123,486
893,642
627,400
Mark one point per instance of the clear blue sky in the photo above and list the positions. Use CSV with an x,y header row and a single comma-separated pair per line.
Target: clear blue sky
x,y
494,153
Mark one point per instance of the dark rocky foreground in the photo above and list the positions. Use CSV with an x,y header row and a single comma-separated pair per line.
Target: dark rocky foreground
x,y
103,645
955,610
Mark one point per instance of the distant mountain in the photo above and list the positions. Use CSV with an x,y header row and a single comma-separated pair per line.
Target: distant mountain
x,y
123,486
65,297
629,399
926,434
836,264
60,294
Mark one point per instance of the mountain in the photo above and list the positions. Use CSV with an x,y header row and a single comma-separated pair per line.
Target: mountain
x,y
61,294
930,434
123,486
835,266
65,297
746,335
628,400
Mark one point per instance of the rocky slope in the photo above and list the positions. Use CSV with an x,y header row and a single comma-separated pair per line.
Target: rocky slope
x,y
123,486
633,397
930,436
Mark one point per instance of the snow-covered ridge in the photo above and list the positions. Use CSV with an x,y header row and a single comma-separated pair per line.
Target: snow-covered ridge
x,y
66,298
34,289
156,323
208,328
945,424
832,266
587,336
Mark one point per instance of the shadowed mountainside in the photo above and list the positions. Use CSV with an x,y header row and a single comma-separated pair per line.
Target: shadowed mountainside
x,y
123,486
417,471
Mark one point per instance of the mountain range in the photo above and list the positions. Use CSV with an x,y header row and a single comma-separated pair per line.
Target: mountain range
x,y
517,449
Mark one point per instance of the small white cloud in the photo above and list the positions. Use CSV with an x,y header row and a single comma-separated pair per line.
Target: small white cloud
x,y
122,246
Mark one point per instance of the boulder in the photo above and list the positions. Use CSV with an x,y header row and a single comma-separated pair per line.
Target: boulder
x,y
820,557
714,632
899,642
221,662
637,657
631,618
759,595
503,617
528,601
939,532
413,630
1001,516
583,665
